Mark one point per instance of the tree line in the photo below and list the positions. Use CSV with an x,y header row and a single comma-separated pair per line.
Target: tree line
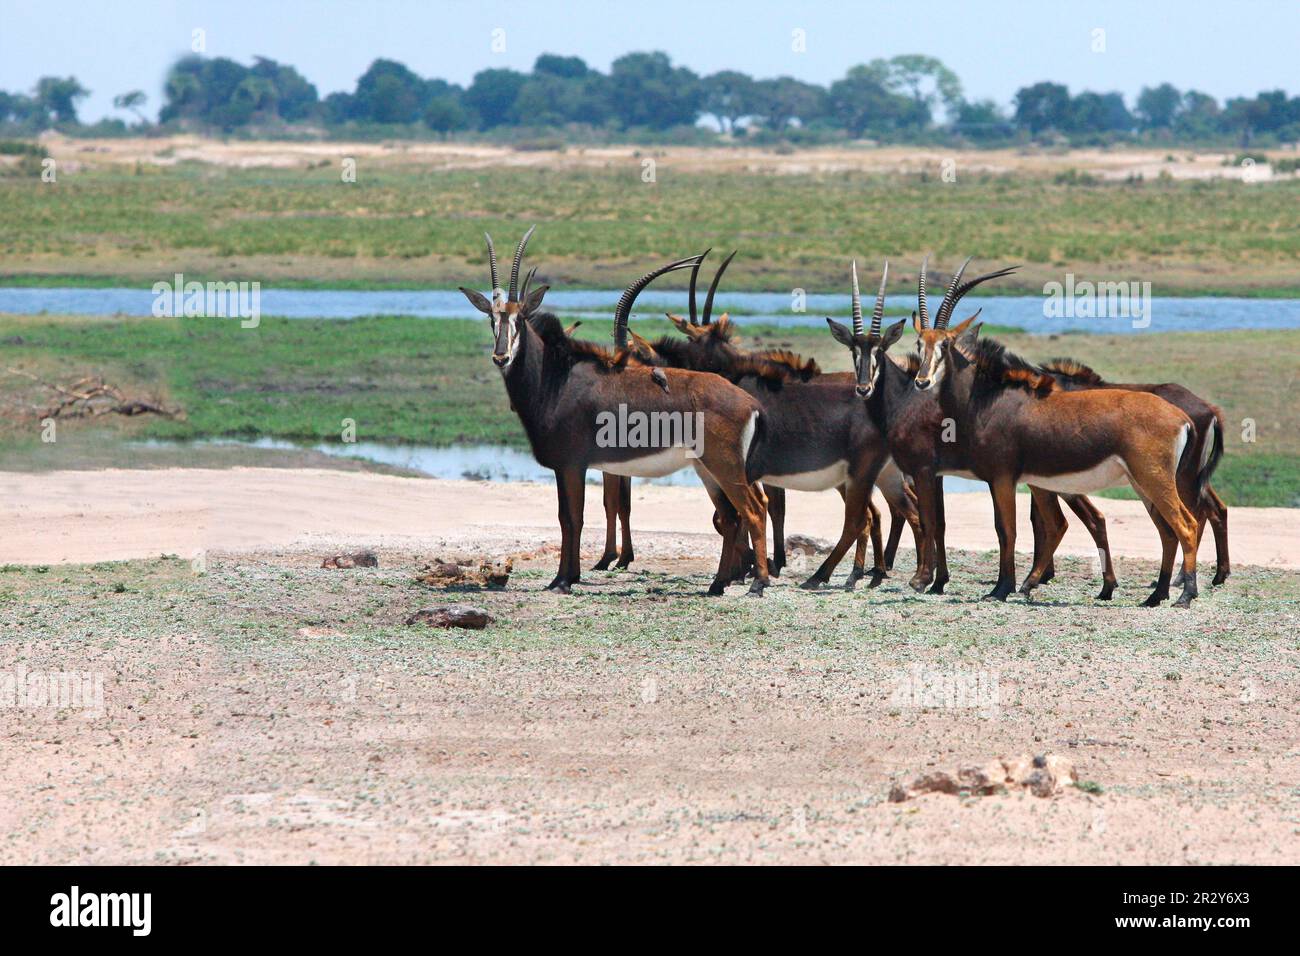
x,y
909,98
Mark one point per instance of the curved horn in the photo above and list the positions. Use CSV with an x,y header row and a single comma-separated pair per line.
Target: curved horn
x,y
920,294
528,280
514,266
713,287
695,275
955,296
624,308
857,300
878,312
945,307
492,263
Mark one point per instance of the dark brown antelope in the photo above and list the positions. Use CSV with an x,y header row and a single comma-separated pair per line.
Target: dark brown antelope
x,y
918,435
1014,424
585,407
1207,418
818,436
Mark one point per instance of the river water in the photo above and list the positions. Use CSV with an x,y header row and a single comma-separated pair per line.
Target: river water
x,y
1026,312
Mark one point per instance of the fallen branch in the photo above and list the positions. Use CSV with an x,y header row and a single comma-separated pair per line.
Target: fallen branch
x,y
91,397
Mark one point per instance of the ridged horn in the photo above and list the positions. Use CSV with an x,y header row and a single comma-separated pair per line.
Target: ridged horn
x,y
514,266
624,308
945,307
706,318
492,263
857,300
920,294
955,296
878,312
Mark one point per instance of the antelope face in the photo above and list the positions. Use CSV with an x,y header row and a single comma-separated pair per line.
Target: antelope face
x,y
507,319
868,353
932,350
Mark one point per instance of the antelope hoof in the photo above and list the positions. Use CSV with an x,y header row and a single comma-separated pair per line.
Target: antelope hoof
x,y
999,593
876,578
624,560
603,563
1219,577
559,587
717,588
918,584
1028,586
1184,600
938,586
812,584
756,589
1155,599
1107,590
1048,574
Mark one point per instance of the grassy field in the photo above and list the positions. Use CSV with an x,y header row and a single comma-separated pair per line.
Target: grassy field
x,y
420,381
420,226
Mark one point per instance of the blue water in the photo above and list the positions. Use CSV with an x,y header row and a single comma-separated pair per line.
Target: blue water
x,y
476,462
1026,312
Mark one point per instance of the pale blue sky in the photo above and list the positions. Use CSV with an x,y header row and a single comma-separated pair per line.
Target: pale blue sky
x,y
1221,47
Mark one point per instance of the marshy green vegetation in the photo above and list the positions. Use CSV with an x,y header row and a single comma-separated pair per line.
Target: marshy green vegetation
x,y
420,226
404,379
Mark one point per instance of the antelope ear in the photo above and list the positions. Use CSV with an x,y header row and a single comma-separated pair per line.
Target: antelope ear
x,y
965,324
967,339
841,332
572,328
478,300
533,301
682,324
916,322
892,334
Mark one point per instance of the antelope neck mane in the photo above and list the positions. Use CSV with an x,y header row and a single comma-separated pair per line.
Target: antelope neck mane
x,y
1000,369
1073,369
569,351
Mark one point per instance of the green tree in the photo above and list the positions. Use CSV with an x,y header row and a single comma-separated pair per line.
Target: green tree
x,y
780,101
132,101
647,90
57,96
1157,106
728,96
1042,106
444,114
492,96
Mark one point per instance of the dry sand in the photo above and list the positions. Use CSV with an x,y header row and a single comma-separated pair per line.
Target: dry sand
x,y
1118,163
114,515
270,711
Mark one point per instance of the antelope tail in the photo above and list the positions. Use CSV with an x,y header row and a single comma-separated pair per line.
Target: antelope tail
x,y
1210,456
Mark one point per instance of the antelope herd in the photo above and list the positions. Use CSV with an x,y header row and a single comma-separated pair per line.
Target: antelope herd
x,y
772,420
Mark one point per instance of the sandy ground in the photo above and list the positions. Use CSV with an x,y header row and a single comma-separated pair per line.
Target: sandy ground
x,y
267,710
1120,163
115,515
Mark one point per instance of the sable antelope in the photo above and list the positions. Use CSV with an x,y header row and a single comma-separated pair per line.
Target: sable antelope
x,y
716,339
562,389
1014,424
818,435
914,424
1207,418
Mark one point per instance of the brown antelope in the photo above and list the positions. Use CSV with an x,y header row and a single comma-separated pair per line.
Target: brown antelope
x,y
818,436
1014,424
576,400
1207,418
718,340
915,426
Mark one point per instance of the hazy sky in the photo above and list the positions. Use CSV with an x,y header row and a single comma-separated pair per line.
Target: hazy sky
x,y
995,46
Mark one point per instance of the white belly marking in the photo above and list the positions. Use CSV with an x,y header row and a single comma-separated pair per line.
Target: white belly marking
x,y
832,476
1108,474
655,465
